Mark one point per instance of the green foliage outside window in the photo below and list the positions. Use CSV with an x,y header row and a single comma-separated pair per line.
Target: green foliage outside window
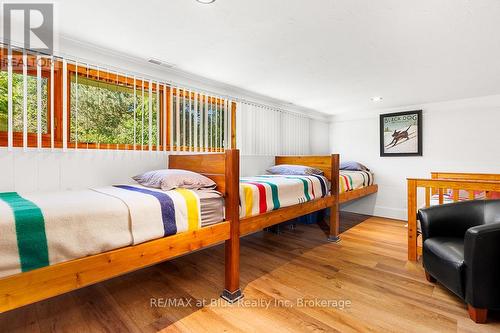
x,y
187,115
17,102
104,113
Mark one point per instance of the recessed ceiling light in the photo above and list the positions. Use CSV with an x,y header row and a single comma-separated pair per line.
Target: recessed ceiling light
x,y
377,99
206,2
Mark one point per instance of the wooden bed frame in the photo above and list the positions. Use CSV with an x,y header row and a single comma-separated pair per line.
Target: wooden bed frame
x,y
329,164
39,284
228,183
438,184
29,287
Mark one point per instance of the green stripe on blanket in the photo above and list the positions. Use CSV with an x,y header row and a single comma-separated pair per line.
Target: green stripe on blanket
x,y
350,182
306,186
30,231
274,190
304,182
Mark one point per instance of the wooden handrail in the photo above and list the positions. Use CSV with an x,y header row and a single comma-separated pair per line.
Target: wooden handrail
x,y
465,176
478,185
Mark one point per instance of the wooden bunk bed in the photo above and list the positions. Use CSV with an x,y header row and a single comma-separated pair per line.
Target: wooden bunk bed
x,y
329,164
223,168
32,286
436,188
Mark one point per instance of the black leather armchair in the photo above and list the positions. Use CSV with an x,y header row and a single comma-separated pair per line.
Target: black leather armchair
x,y
461,250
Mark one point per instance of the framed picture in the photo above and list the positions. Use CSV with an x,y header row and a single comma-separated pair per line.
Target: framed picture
x,y
401,134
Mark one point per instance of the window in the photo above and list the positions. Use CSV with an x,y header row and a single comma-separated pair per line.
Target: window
x,y
18,98
97,109
199,122
17,107
106,109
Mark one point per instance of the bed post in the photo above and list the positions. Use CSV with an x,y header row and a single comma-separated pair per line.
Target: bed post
x,y
412,220
334,210
232,291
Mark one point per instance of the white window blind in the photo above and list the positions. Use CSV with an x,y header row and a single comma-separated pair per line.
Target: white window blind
x,y
200,121
263,130
295,134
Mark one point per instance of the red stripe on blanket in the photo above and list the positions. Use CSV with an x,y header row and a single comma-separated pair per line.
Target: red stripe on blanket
x,y
348,188
262,197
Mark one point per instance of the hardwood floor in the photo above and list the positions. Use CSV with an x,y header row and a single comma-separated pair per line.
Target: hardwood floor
x,y
368,269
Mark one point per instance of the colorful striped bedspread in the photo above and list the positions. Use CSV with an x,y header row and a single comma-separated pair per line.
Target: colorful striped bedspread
x,y
265,193
353,180
43,229
261,194
463,195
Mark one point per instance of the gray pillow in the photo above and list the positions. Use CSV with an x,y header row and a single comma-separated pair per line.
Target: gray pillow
x,y
353,166
288,169
169,179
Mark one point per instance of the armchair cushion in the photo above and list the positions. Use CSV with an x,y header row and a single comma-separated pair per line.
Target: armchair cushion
x,y
443,258
451,220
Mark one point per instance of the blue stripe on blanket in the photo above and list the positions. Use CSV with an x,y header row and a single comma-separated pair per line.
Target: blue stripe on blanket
x,y
323,185
166,204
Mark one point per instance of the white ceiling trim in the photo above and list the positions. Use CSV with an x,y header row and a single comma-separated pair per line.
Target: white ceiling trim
x,y
84,52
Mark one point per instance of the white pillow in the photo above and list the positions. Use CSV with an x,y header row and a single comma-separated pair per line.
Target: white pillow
x,y
169,179
287,169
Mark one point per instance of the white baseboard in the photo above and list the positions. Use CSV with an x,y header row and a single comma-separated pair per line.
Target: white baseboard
x,y
389,212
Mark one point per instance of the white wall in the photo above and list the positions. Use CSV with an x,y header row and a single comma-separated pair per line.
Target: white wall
x,y
34,170
251,165
459,136
319,137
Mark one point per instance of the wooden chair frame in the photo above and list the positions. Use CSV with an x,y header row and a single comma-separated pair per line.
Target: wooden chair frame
x,y
329,164
29,287
438,184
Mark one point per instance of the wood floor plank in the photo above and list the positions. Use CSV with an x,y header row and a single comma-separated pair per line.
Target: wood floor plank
x,y
279,272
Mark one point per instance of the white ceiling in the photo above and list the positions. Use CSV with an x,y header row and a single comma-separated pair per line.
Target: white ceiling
x,y
328,55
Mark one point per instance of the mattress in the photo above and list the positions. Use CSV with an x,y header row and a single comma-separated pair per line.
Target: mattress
x,y
42,229
265,193
353,180
463,195
211,206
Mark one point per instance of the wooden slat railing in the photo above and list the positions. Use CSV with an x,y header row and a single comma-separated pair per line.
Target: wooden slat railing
x,y
439,184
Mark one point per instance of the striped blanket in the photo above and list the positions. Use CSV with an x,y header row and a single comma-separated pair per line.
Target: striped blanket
x,y
353,180
265,193
42,229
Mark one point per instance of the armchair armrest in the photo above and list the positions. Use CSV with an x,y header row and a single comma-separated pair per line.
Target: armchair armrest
x,y
451,220
482,262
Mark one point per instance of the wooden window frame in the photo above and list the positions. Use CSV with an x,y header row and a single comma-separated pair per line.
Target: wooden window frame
x,y
121,80
32,140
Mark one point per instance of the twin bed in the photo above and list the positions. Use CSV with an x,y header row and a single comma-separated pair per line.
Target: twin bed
x,y
55,243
